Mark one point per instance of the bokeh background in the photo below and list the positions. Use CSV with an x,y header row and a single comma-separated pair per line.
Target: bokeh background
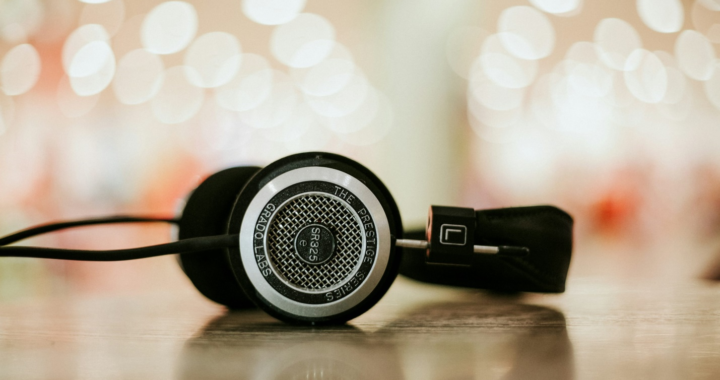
x,y
608,109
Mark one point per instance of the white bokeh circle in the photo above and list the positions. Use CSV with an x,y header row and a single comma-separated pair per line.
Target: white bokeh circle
x,y
250,87
503,68
20,69
616,40
92,68
526,33
78,39
109,14
272,12
343,102
139,77
277,108
178,100
664,16
169,27
712,88
695,55
304,41
646,76
213,59
558,7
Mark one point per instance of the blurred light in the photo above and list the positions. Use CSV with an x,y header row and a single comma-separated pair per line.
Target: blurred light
x,y
585,70
646,76
558,7
706,19
677,83
619,95
220,129
80,38
616,40
20,69
327,77
90,59
139,77
213,59
14,33
342,102
710,4
494,118
94,1
7,112
498,127
501,67
588,80
315,138
664,16
20,19
64,19
463,46
92,68
169,27
377,128
249,88
666,58
680,109
631,115
301,120
178,100
304,41
695,55
71,104
541,101
712,87
277,108
358,119
127,38
492,96
575,111
676,86
526,33
109,14
272,12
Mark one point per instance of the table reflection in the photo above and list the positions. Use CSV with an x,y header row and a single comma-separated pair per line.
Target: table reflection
x,y
480,338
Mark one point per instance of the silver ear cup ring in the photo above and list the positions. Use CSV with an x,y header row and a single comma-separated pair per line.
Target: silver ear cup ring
x,y
315,242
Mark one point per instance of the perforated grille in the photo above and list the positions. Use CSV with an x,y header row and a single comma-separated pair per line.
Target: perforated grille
x,y
298,213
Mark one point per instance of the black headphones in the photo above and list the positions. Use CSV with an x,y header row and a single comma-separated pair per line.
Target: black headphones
x,y
317,238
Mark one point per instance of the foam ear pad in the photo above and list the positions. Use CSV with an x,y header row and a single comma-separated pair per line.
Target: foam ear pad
x,y
206,213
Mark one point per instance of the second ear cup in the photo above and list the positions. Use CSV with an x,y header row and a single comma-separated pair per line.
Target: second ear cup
x,y
206,213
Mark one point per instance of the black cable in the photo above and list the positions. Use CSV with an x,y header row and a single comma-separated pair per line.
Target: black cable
x,y
45,228
183,246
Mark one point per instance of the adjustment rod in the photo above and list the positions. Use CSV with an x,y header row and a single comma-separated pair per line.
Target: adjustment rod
x,y
505,250
450,235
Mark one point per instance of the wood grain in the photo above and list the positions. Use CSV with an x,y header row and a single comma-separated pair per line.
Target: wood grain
x,y
599,329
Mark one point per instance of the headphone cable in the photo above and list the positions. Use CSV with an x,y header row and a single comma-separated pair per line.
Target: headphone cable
x,y
191,245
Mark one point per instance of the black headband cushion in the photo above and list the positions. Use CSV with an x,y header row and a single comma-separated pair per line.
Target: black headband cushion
x,y
206,213
545,230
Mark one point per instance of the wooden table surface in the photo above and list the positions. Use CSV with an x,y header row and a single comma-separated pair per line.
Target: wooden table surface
x,y
599,329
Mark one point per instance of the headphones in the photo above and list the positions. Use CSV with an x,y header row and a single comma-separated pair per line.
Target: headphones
x,y
316,238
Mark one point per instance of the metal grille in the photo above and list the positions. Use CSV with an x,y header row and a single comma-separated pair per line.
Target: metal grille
x,y
298,213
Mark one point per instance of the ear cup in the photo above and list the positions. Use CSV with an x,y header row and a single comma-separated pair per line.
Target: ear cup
x,y
316,233
206,213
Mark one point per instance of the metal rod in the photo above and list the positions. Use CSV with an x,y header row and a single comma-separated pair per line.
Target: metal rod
x,y
422,244
416,244
486,249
